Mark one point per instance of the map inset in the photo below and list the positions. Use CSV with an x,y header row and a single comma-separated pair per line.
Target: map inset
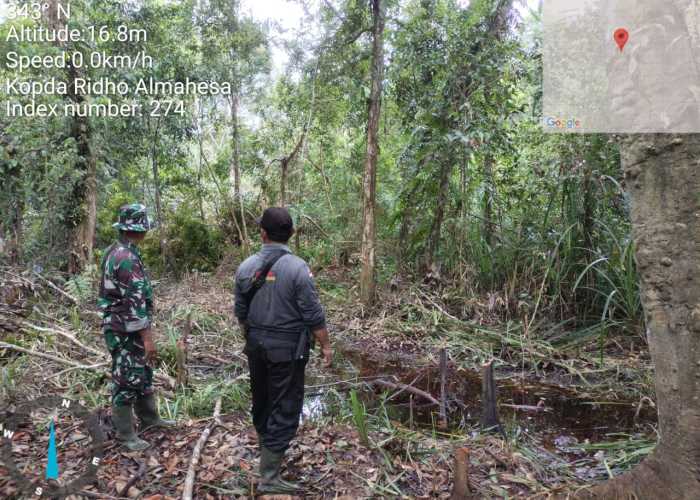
x,y
627,66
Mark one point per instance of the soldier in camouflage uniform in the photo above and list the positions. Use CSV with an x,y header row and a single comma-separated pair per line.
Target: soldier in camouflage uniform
x,y
126,301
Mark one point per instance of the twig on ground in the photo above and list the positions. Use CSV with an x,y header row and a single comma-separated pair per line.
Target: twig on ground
x,y
192,470
407,388
6,345
64,334
133,479
58,289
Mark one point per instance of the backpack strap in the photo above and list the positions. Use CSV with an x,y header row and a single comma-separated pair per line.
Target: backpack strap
x,y
260,278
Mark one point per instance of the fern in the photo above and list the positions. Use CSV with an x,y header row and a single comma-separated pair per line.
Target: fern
x,y
81,286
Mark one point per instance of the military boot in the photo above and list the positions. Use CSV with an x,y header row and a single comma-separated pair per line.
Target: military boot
x,y
123,424
270,481
147,410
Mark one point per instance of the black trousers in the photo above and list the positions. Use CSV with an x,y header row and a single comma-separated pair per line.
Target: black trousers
x,y
277,386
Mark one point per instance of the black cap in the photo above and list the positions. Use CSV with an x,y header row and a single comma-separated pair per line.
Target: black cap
x,y
278,223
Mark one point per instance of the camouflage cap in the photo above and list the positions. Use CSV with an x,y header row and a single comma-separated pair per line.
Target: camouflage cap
x,y
133,217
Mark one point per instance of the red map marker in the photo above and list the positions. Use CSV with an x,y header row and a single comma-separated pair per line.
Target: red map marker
x,y
621,37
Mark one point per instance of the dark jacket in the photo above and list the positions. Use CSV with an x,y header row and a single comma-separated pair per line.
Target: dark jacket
x,y
287,302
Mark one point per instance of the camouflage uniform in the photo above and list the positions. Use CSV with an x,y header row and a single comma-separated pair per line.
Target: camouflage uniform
x,y
126,301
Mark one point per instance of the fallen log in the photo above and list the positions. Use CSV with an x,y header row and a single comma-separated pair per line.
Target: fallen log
x,y
407,388
192,469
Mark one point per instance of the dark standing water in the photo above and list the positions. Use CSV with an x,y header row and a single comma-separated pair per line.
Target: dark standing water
x,y
540,407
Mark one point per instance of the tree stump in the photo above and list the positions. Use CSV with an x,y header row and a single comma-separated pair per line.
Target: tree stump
x,y
461,489
443,389
489,399
181,353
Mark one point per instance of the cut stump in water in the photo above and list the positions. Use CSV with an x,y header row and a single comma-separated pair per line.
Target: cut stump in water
x,y
489,399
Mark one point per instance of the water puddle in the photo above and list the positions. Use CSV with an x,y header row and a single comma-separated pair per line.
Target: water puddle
x,y
550,410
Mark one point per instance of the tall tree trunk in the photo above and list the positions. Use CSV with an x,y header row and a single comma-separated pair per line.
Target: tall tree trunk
x,y
200,185
85,191
435,230
235,170
284,176
11,225
367,275
82,218
664,185
162,244
300,146
14,250
488,199
156,185
404,231
200,165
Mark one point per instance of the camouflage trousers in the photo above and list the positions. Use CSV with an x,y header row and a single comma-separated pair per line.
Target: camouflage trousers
x,y
132,378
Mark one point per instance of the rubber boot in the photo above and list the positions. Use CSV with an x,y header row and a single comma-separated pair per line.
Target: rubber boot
x,y
270,481
147,410
123,424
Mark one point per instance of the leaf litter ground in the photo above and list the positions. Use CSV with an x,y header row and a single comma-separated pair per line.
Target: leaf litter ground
x,y
404,455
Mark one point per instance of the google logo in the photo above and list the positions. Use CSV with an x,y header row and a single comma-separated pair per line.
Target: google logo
x,y
562,123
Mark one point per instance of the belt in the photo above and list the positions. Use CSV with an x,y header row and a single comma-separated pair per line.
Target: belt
x,y
281,331
301,337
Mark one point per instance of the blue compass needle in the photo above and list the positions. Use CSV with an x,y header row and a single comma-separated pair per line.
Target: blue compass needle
x,y
52,460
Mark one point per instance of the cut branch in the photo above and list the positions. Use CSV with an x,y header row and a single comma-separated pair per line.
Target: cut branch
x,y
6,345
407,388
58,289
192,469
133,479
64,334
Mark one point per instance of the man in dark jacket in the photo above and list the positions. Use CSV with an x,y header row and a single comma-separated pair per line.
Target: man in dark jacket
x,y
279,313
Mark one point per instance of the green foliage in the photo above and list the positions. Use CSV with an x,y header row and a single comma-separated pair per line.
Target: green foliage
x,y
82,286
9,373
199,401
359,417
193,244
622,452
468,184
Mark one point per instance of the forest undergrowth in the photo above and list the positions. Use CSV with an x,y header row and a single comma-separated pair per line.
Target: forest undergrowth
x,y
572,413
